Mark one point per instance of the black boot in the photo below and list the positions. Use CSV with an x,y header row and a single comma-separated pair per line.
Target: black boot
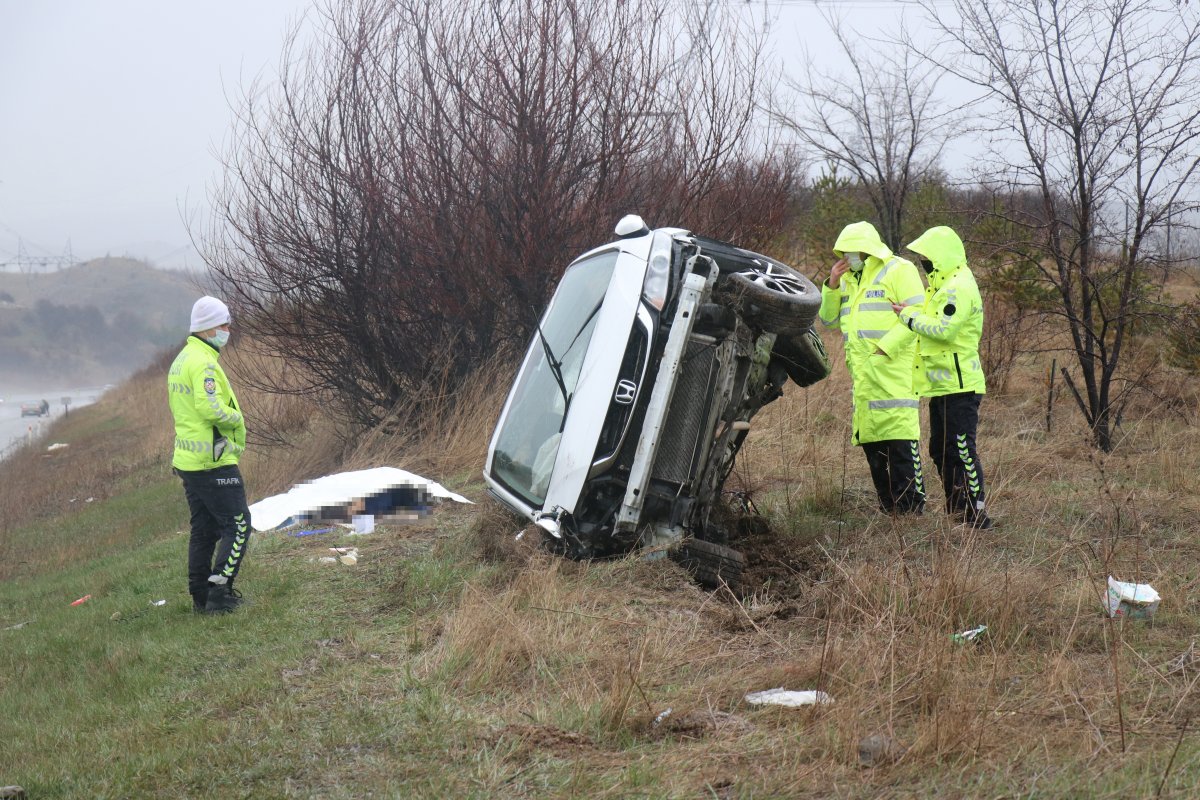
x,y
221,600
199,600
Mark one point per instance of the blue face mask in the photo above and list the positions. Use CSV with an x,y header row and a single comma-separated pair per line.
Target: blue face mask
x,y
219,339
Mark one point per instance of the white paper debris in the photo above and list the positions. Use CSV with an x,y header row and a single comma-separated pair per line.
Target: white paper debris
x,y
1134,600
787,697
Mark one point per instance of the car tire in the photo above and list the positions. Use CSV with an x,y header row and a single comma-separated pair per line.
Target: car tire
x,y
803,357
711,564
780,299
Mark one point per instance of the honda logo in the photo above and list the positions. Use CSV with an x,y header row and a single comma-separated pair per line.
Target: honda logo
x,y
626,390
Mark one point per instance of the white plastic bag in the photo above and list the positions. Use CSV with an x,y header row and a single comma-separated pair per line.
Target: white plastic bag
x,y
787,697
1132,600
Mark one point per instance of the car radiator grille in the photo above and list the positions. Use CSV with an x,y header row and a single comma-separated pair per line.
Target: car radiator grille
x,y
681,435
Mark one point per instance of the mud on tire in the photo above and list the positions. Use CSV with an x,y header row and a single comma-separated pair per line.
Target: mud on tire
x,y
711,564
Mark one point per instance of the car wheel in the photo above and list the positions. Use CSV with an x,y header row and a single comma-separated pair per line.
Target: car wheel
x,y
776,296
803,357
711,564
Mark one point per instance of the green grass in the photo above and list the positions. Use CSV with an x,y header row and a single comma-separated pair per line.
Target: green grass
x,y
309,691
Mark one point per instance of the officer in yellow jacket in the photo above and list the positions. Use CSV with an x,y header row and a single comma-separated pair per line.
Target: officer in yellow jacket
x,y
948,324
210,436
857,298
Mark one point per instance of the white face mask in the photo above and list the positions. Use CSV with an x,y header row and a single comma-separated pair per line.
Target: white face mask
x,y
855,261
220,339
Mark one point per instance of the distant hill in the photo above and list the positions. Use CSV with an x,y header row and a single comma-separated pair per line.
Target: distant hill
x,y
91,323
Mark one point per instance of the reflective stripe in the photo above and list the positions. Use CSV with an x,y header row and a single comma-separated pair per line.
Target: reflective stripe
x,y
964,454
882,272
895,403
874,306
918,472
871,334
845,312
930,330
829,323
919,298
192,445
237,551
935,375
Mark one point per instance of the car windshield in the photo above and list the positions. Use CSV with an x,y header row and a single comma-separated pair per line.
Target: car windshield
x,y
527,445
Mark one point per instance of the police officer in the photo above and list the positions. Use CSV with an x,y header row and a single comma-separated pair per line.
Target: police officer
x,y
210,436
857,298
948,324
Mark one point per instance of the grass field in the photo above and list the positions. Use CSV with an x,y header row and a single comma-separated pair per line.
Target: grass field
x,y
455,662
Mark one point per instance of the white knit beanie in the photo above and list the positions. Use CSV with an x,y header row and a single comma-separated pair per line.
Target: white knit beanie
x,y
207,313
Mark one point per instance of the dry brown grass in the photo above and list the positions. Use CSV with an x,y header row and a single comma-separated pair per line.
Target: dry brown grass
x,y
602,649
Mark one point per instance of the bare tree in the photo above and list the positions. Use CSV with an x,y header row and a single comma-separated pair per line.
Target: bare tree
x,y
1096,108
398,207
879,123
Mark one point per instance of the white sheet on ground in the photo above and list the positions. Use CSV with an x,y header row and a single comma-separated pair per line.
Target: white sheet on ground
x,y
335,490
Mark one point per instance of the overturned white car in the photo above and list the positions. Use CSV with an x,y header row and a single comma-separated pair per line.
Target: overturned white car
x,y
637,392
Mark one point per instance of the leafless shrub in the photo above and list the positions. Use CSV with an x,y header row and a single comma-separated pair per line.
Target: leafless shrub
x,y
1095,109
398,207
881,124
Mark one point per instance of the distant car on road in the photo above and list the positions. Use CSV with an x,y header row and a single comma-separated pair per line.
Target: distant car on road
x,y
41,409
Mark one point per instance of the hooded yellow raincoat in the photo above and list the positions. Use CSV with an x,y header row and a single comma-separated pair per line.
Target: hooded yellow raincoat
x,y
885,405
948,322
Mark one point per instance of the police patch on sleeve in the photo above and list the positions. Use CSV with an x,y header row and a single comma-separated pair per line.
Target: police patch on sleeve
x,y
210,386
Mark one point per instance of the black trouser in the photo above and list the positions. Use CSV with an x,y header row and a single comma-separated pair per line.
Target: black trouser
x,y
220,522
896,472
953,419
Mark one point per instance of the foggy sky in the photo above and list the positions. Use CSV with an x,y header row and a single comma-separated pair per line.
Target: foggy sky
x,y
113,110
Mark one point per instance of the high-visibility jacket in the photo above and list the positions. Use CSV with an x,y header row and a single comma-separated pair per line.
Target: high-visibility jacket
x,y
885,405
949,322
205,409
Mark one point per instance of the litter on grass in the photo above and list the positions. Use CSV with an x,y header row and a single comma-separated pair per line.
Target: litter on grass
x,y
1132,600
346,555
968,635
158,602
57,446
789,698
317,532
341,555
18,626
82,600
382,491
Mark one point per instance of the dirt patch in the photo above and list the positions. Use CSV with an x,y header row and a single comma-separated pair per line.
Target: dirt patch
x,y
776,568
695,725
544,739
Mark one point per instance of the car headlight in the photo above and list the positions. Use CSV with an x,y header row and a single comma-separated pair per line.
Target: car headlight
x,y
658,274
